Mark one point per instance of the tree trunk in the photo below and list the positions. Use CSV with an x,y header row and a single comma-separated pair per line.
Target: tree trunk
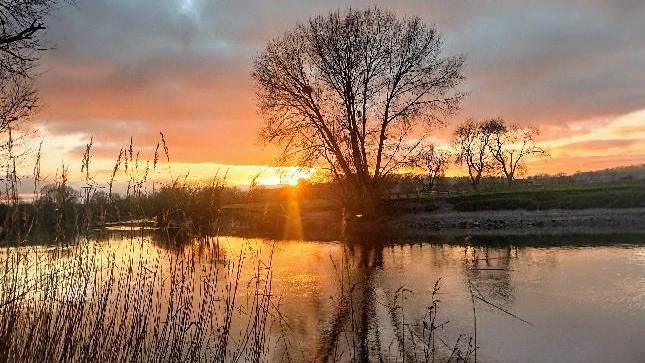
x,y
509,179
364,202
475,182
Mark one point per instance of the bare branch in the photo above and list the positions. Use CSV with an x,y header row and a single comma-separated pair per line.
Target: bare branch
x,y
350,89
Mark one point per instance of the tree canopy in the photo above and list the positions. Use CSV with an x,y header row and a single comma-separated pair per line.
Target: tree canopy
x,y
350,91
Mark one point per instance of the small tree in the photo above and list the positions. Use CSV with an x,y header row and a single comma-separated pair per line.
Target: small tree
x,y
511,145
434,161
349,91
471,142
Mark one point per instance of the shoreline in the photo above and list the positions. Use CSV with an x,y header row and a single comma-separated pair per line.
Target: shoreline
x,y
523,222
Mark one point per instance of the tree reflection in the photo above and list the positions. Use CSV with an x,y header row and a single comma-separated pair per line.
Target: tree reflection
x,y
353,327
371,321
489,270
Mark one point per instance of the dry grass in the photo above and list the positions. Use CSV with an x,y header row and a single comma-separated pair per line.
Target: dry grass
x,y
85,300
86,303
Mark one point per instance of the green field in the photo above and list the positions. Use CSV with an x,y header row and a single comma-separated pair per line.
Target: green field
x,y
528,197
557,196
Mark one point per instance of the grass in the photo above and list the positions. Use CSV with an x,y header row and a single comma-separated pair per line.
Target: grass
x,y
86,303
565,196
77,302
528,197
125,299
81,299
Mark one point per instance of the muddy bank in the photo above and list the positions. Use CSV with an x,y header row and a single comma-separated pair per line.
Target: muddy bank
x,y
553,221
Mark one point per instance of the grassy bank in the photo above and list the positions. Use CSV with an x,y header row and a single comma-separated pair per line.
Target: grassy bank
x,y
557,196
527,197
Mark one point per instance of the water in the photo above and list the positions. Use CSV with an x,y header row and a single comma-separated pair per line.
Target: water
x,y
586,304
331,300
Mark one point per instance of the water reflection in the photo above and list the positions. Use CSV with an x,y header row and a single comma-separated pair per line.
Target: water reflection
x,y
373,300
489,269
354,311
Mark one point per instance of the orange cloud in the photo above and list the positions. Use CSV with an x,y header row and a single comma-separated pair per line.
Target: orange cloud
x,y
119,69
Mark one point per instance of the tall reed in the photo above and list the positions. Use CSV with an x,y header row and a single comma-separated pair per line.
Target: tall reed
x,y
87,303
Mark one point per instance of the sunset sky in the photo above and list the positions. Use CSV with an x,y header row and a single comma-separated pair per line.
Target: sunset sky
x,y
121,68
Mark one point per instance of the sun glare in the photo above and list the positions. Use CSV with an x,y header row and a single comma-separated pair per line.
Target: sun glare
x,y
287,176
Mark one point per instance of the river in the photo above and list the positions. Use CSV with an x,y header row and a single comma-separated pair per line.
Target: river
x,y
563,299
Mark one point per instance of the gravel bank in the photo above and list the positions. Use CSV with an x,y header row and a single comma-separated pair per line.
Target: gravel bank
x,y
547,221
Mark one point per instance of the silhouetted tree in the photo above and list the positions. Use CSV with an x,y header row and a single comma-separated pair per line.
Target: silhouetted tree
x,y
511,145
349,90
434,161
18,98
22,23
471,142
58,208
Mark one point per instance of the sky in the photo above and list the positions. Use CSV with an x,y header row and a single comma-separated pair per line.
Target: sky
x,y
132,68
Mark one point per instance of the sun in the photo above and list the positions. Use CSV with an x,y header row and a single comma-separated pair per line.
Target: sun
x,y
286,176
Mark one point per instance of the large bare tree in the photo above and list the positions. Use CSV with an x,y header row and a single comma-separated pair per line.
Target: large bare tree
x,y
511,146
350,92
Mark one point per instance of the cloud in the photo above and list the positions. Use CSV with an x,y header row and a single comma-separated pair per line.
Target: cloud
x,y
122,68
595,146
573,164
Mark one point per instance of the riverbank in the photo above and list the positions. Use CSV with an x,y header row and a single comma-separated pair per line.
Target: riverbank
x,y
522,209
625,194
528,209
551,221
